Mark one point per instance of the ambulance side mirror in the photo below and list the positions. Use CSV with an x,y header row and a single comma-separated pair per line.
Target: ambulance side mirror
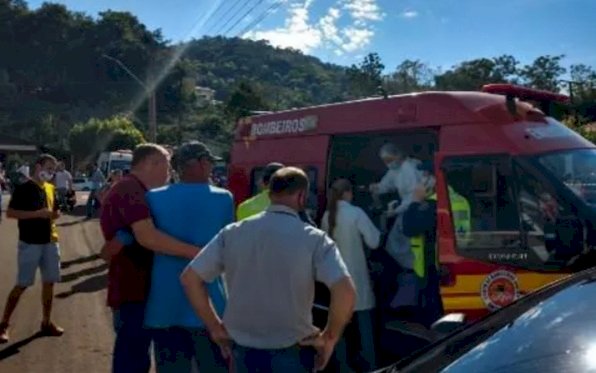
x,y
449,323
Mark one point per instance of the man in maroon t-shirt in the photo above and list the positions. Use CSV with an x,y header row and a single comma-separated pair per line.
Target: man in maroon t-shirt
x,y
125,208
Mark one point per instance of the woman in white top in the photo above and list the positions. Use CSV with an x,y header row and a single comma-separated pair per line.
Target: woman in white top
x,y
349,226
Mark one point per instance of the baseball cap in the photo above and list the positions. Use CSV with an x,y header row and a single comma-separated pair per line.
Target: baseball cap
x,y
192,150
270,169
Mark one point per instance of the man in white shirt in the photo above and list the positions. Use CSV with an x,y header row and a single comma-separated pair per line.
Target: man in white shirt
x,y
63,183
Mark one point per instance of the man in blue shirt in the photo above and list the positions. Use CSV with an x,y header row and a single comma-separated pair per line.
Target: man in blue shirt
x,y
192,211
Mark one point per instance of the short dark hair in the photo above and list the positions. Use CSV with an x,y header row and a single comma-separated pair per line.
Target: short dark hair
x,y
44,158
146,150
269,170
288,181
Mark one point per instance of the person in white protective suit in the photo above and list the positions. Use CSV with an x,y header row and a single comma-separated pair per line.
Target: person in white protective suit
x,y
403,176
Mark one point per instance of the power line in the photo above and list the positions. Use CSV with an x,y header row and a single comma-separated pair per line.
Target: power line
x,y
263,15
243,17
221,5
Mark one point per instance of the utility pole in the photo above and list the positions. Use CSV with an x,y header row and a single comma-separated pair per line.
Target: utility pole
x,y
151,100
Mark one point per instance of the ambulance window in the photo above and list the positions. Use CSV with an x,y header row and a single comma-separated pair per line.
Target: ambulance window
x,y
483,205
553,232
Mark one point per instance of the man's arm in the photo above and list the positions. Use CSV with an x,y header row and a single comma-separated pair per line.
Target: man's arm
x,y
331,270
205,268
20,202
153,239
343,298
198,295
24,215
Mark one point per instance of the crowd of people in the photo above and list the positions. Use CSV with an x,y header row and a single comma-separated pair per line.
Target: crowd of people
x,y
221,289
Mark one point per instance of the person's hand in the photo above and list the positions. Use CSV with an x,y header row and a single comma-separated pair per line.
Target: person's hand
x,y
323,346
55,214
110,249
391,208
44,214
419,193
220,336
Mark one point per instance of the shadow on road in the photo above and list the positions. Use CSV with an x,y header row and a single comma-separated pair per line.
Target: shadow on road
x,y
90,285
71,223
85,272
80,211
82,260
15,348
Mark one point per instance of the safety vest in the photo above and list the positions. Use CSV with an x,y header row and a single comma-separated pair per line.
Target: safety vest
x,y
253,206
461,219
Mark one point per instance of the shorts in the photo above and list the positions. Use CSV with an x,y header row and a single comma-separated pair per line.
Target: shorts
x,y
46,257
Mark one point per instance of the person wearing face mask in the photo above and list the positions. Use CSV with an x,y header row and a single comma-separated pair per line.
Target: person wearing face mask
x,y
403,177
34,205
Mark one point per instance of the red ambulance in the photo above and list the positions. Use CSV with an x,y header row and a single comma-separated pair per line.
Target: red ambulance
x,y
529,180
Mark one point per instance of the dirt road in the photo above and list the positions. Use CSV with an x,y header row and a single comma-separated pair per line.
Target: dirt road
x,y
79,307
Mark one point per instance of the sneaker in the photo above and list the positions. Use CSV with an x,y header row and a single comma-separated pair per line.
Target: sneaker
x,y
51,330
4,336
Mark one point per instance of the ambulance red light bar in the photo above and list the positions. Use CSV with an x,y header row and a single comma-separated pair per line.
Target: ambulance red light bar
x,y
525,93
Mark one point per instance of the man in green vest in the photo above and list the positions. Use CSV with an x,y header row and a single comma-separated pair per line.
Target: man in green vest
x,y
420,225
260,202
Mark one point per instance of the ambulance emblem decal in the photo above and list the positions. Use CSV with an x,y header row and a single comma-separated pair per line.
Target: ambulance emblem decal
x,y
499,289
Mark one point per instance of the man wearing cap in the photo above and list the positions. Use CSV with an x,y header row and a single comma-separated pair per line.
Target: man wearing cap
x,y
261,201
192,211
126,208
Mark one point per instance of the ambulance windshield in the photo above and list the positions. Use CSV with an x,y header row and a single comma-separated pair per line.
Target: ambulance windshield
x,y
576,169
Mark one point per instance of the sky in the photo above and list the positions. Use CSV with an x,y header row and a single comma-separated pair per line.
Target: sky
x,y
440,33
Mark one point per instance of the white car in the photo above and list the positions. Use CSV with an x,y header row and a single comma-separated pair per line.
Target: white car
x,y
80,184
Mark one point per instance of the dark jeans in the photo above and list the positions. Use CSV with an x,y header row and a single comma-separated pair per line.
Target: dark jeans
x,y
133,340
175,348
288,360
92,203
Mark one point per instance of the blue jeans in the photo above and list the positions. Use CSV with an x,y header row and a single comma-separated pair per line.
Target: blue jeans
x,y
133,340
175,348
364,324
288,360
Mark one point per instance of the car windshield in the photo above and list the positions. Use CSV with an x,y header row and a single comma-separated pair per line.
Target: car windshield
x,y
551,334
576,169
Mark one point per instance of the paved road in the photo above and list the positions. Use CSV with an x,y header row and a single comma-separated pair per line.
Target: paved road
x,y
79,307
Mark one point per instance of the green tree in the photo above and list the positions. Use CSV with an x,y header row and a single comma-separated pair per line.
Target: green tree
x,y
88,139
367,77
472,75
410,76
245,99
544,73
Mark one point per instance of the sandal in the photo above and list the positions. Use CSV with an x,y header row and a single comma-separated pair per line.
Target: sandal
x,y
51,330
